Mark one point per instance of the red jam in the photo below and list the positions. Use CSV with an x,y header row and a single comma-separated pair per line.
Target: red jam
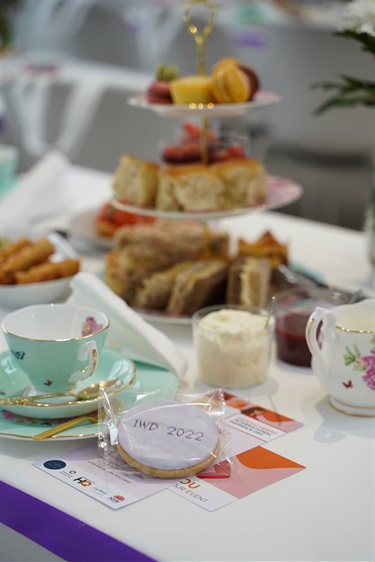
x,y
290,339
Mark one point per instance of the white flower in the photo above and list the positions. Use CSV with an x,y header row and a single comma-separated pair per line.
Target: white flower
x,y
361,16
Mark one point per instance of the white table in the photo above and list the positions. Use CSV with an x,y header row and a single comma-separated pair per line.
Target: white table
x,y
323,513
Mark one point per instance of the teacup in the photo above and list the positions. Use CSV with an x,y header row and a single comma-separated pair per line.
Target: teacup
x,y
9,156
56,345
342,344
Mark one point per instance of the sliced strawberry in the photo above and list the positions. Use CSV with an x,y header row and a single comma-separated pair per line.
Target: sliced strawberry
x,y
116,217
192,130
182,154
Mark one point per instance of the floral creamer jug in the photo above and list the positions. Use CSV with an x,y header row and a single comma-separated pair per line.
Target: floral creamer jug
x,y
342,345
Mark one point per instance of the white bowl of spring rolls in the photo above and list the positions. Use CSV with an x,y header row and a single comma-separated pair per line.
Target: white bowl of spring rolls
x,y
35,269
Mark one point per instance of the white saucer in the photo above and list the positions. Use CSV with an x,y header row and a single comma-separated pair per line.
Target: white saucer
x,y
22,426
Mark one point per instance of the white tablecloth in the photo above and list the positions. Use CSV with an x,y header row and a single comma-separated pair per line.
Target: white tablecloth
x,y
324,513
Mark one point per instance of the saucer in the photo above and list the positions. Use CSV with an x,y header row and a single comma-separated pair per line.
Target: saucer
x,y
14,382
25,426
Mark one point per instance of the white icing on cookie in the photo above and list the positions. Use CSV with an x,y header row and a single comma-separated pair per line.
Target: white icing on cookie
x,y
168,435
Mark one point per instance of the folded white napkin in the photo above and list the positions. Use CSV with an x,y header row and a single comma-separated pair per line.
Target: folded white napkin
x,y
37,194
128,331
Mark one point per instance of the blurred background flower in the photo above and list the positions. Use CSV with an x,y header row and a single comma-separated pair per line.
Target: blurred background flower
x,y
350,91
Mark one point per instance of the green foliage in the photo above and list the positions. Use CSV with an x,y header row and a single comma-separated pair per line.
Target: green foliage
x,y
349,91
7,8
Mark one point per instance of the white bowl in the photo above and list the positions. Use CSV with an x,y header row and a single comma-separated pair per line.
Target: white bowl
x,y
17,296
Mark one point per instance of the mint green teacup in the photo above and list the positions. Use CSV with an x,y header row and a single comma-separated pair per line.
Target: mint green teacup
x,y
9,156
56,345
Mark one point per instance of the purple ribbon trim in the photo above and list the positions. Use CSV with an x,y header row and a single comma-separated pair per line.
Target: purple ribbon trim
x,y
60,533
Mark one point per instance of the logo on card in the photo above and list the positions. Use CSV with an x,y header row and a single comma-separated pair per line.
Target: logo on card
x,y
54,464
117,499
83,481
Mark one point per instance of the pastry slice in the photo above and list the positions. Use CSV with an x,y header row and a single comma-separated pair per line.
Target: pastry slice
x,y
265,247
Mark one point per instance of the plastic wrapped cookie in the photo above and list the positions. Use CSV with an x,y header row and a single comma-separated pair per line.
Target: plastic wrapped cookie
x,y
168,439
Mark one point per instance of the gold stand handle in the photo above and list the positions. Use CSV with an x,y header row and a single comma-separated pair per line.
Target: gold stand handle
x,y
200,40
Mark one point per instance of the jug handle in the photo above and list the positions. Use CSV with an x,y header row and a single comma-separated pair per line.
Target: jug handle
x,y
312,329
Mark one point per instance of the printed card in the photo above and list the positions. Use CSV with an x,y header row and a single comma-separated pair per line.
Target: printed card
x,y
110,481
238,477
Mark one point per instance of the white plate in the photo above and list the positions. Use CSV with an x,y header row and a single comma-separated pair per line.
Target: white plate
x,y
17,296
163,317
22,427
261,99
14,382
83,226
280,192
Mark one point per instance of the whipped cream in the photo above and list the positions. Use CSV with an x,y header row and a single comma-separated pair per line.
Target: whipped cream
x,y
232,348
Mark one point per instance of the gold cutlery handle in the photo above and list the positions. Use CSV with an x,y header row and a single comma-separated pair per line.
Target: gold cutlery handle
x,y
19,400
63,426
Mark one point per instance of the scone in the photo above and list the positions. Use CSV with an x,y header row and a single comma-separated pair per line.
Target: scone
x,y
135,181
244,180
190,188
168,439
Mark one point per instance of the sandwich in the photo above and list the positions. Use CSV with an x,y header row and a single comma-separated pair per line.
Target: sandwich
x,y
249,281
201,284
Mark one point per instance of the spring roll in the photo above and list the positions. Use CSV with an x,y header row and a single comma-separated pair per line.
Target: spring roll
x,y
47,271
26,258
13,247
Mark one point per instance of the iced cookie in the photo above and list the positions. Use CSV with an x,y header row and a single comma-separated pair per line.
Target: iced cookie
x,y
168,439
